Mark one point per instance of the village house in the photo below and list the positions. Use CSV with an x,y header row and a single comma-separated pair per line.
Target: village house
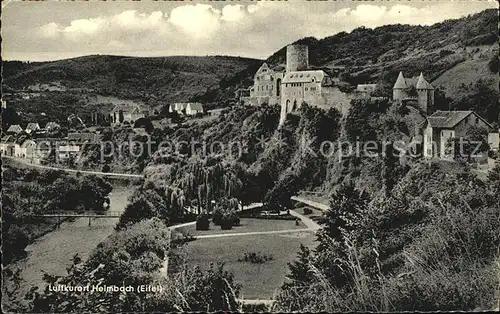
x,y
7,145
127,113
366,89
186,108
28,149
296,85
24,147
15,128
441,126
194,108
32,127
178,107
65,151
414,91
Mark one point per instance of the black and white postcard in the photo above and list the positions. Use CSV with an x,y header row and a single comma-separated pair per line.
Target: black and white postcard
x,y
250,156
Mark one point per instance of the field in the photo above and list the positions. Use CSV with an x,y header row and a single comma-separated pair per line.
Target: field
x,y
247,225
259,281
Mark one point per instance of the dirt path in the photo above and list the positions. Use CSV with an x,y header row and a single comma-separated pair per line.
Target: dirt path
x,y
311,224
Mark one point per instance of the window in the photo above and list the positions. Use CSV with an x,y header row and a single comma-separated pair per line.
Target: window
x,y
477,120
306,89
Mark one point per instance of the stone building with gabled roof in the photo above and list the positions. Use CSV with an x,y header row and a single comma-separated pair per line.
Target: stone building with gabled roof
x,y
441,126
416,90
127,113
294,86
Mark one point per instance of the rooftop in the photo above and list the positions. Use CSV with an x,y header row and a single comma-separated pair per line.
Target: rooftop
x,y
304,76
418,82
448,119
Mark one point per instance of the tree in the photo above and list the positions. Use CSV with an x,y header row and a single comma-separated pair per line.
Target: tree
x,y
144,123
301,273
347,206
202,222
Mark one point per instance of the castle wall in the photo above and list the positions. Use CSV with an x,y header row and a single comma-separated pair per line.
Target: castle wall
x,y
335,98
322,97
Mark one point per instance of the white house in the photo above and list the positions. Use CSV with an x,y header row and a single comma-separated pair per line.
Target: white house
x,y
32,127
28,149
7,145
15,128
179,107
194,108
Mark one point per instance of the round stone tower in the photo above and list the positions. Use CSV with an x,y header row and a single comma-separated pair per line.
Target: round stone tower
x,y
297,58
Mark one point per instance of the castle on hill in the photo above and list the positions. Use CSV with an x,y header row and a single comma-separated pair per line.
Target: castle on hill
x,y
297,84
416,91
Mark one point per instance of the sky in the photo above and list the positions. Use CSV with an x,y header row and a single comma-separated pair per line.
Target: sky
x,y
52,30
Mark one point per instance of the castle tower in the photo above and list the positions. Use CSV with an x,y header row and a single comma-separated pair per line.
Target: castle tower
x,y
425,92
399,89
297,58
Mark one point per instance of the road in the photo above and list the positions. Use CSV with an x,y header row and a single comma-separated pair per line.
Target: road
x,y
240,234
97,173
314,204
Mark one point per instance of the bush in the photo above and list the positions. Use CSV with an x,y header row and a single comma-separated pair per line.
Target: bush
x,y
202,222
217,216
307,211
106,168
256,258
229,220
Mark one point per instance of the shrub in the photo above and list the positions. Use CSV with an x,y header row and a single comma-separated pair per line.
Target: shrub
x,y
307,211
229,220
106,168
202,222
217,216
256,258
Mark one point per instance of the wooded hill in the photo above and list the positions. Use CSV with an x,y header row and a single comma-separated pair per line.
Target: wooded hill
x,y
167,79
